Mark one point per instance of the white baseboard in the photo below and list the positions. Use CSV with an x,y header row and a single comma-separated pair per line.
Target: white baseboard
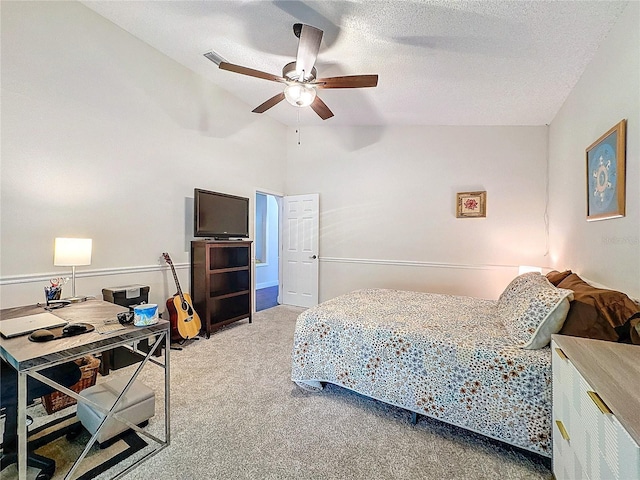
x,y
273,283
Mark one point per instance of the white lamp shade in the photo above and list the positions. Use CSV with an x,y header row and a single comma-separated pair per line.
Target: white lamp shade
x,y
69,252
527,268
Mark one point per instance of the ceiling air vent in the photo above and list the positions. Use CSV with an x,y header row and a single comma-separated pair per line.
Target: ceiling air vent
x,y
214,57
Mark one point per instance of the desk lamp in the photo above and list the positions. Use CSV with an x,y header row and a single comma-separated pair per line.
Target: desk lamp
x,y
526,269
72,252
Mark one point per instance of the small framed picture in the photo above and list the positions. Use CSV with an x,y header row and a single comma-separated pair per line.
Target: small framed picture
x,y
606,174
471,204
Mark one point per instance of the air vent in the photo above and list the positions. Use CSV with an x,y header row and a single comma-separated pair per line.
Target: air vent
x,y
214,57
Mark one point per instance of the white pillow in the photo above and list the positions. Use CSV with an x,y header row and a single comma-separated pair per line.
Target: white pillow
x,y
532,310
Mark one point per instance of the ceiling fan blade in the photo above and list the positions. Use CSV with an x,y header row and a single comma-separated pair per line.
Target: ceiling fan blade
x,y
250,71
304,13
349,81
321,109
269,103
308,47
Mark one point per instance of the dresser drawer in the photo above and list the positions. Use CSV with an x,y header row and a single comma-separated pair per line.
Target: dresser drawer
x,y
568,435
588,440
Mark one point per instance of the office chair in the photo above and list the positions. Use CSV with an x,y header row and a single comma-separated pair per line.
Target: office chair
x,y
66,374
47,466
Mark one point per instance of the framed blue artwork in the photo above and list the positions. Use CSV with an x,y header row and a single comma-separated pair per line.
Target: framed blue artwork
x,y
606,174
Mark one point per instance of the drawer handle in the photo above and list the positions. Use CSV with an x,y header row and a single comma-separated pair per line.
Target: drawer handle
x,y
561,354
563,431
599,403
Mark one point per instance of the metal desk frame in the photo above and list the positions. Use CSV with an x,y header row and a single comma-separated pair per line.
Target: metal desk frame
x,y
52,354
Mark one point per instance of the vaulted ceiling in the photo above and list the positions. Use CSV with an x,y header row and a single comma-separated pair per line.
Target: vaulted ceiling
x,y
490,62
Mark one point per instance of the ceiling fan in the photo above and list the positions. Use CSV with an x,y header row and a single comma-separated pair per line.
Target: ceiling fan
x,y
300,77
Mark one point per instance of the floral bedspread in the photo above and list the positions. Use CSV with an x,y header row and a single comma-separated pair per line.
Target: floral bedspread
x,y
439,355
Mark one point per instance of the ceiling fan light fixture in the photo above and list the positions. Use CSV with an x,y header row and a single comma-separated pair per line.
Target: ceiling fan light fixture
x,y
300,94
300,76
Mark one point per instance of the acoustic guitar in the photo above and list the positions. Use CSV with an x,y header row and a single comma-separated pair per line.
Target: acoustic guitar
x,y
184,320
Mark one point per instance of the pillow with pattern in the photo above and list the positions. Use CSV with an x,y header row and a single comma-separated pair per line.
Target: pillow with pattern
x,y
521,282
532,310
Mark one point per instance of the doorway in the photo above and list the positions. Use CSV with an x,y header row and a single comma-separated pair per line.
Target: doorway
x,y
300,241
267,258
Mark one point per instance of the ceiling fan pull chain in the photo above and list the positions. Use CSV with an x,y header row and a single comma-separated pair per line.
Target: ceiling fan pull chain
x,y
298,126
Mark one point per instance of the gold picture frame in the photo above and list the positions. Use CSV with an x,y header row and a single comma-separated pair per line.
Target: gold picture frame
x,y
606,177
471,204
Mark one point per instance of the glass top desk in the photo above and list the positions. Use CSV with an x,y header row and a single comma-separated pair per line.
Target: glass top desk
x,y
28,358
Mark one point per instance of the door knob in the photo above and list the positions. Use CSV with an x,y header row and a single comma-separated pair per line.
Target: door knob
x,y
313,257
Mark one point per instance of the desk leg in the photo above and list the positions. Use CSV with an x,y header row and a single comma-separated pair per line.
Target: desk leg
x,y
22,426
167,388
105,362
111,412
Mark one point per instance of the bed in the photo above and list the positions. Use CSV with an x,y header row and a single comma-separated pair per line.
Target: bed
x,y
482,365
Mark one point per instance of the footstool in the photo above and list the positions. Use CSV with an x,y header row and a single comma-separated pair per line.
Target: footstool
x,y
137,406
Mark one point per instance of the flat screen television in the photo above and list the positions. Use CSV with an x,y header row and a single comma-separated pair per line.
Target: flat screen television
x,y
220,216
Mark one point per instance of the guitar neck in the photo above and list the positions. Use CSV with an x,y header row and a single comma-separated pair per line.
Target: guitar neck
x,y
175,276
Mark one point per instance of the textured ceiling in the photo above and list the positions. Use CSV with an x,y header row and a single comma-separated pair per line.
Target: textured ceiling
x,y
439,62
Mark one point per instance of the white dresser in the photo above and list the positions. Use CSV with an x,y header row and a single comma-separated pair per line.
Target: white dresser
x,y
596,409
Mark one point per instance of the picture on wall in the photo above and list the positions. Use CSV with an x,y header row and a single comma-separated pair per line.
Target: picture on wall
x,y
471,204
606,174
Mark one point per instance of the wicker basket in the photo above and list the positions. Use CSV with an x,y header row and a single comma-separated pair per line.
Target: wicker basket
x,y
57,400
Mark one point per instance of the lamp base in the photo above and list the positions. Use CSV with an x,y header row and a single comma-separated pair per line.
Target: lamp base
x,y
77,299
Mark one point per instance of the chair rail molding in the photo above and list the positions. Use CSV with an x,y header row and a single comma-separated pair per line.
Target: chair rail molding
x,y
98,272
415,263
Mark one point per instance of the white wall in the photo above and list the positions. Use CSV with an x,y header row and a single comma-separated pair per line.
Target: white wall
x,y
387,203
606,251
105,137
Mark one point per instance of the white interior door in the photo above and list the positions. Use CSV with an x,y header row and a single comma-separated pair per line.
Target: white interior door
x,y
300,222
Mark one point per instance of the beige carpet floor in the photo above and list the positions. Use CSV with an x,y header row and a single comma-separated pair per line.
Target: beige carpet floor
x,y
235,414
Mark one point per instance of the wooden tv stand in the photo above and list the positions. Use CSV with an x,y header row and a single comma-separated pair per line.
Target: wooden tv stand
x,y
221,282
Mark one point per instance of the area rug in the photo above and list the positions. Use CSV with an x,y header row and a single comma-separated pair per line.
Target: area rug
x,y
50,440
